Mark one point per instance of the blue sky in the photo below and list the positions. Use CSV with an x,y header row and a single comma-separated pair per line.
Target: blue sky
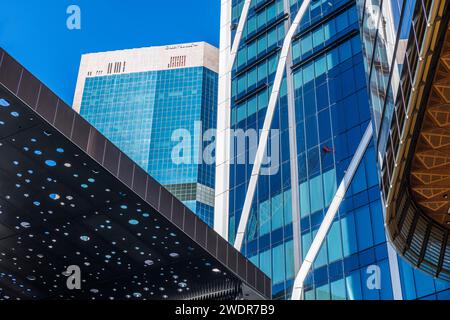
x,y
35,33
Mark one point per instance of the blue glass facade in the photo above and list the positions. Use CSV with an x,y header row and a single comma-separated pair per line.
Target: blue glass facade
x,y
331,101
418,285
387,30
331,114
140,112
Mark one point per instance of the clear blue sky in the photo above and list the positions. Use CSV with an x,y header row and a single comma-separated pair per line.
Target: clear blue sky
x,y
35,33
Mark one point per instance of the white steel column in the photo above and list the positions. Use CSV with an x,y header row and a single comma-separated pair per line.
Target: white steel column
x,y
238,35
293,160
297,293
226,62
223,124
387,34
394,270
266,126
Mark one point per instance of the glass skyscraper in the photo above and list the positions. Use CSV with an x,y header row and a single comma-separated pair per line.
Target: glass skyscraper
x,y
321,114
404,42
148,101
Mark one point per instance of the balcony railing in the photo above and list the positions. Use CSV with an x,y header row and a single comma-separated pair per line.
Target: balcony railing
x,y
417,237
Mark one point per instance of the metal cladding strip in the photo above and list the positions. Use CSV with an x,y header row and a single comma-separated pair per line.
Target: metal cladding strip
x,y
388,35
238,35
394,270
297,292
227,59
266,127
223,124
295,203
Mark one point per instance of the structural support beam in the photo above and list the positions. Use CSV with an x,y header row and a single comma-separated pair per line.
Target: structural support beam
x,y
228,54
293,153
297,293
238,35
266,126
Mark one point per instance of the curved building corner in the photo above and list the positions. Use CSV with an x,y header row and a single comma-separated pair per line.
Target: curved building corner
x,y
408,63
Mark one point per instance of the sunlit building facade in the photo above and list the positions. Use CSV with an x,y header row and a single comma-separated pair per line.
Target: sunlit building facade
x,y
148,101
321,114
406,46
324,84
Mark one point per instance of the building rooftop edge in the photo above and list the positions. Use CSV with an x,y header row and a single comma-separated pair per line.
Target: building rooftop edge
x,y
204,43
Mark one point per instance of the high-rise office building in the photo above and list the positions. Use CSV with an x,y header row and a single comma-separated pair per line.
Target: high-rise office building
x,y
301,84
148,101
406,50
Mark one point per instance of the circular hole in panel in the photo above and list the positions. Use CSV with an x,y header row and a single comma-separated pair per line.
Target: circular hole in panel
x,y
25,224
4,103
148,262
54,196
50,163
133,222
